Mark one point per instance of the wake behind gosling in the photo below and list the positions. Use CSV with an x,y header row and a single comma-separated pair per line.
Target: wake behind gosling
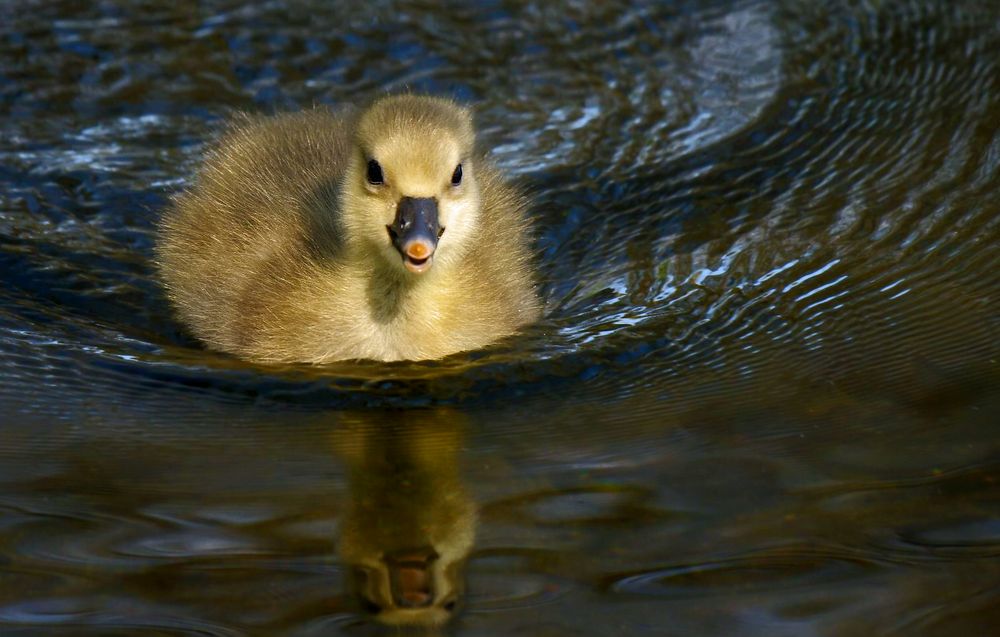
x,y
321,236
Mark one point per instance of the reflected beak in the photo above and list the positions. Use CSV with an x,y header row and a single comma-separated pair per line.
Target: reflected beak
x,y
410,578
415,232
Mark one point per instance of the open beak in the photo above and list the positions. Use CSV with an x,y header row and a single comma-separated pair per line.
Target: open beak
x,y
415,232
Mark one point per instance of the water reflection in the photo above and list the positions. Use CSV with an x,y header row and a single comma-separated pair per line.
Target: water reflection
x,y
409,523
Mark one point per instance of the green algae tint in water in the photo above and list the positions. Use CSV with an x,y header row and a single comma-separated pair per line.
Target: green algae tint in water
x,y
763,400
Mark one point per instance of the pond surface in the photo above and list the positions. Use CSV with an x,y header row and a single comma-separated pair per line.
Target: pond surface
x,y
764,399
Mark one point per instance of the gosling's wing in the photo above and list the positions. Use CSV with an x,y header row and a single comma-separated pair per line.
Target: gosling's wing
x,y
504,261
261,211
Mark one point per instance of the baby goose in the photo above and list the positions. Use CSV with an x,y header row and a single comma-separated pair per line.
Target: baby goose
x,y
318,237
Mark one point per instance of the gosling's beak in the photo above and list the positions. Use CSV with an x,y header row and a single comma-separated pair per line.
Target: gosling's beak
x,y
415,232
410,578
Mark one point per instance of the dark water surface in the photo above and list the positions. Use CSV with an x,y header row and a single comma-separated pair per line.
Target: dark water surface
x,y
764,400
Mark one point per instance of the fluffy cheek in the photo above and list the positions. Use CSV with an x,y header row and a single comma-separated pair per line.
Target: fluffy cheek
x,y
459,218
366,217
380,235
386,217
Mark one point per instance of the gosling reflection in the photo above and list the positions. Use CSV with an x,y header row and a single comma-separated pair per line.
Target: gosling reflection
x,y
409,524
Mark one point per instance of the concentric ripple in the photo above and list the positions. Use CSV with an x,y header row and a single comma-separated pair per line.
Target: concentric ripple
x,y
767,202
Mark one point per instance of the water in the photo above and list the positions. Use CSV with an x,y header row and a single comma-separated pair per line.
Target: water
x,y
763,400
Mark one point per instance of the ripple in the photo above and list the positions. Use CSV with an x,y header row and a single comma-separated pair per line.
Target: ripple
x,y
498,583
73,615
743,575
705,290
611,504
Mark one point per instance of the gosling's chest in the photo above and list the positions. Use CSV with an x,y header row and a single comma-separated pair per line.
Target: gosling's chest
x,y
430,324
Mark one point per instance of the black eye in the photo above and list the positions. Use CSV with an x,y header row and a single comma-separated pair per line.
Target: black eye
x,y
456,177
375,177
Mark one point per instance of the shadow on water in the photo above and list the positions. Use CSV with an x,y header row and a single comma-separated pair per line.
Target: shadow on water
x,y
761,402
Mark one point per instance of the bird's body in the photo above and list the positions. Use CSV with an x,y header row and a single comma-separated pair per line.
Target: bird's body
x,y
310,237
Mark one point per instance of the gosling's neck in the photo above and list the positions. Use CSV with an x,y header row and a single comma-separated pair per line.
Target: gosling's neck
x,y
389,289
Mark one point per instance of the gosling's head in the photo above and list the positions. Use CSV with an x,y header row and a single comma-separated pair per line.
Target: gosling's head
x,y
410,191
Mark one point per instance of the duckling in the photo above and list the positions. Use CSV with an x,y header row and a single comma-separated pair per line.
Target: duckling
x,y
322,236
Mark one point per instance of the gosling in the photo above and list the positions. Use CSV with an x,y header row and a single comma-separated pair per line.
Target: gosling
x,y
321,236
